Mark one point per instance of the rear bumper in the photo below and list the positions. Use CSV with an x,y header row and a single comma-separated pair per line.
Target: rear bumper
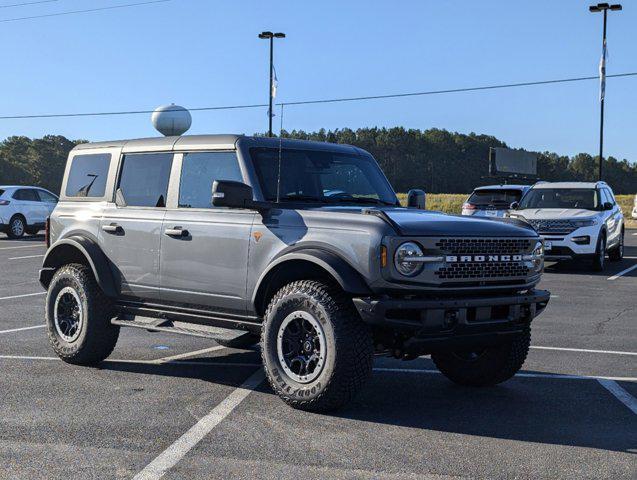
x,y
456,322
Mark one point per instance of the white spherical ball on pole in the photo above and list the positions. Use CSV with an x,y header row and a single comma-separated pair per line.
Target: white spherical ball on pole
x,y
171,120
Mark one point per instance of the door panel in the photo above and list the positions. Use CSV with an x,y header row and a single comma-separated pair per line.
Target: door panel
x,y
207,265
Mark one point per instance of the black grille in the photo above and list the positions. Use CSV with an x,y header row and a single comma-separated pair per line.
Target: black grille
x,y
553,226
482,270
484,246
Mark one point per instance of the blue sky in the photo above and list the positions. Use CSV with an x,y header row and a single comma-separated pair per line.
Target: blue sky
x,y
206,52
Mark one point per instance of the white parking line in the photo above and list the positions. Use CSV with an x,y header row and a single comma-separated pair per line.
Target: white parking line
x,y
623,272
22,328
584,350
27,256
22,246
178,450
22,296
619,393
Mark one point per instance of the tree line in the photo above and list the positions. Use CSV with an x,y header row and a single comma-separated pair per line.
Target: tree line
x,y
435,160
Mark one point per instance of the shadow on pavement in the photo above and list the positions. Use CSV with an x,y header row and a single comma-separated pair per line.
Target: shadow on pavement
x,y
585,266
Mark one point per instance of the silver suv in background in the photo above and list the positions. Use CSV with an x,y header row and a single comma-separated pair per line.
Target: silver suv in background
x,y
578,220
24,210
493,200
301,246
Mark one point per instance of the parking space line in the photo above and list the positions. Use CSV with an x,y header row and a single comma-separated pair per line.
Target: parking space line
x,y
25,257
623,272
620,394
21,328
584,350
178,450
22,246
22,296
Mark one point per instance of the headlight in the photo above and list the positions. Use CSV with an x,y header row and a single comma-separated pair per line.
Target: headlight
x,y
586,222
538,257
401,259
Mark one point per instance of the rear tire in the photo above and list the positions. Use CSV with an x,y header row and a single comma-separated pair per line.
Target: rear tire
x,y
599,262
17,227
617,253
316,351
488,367
78,317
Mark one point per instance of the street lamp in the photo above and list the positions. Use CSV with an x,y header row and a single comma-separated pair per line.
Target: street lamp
x,y
271,36
602,7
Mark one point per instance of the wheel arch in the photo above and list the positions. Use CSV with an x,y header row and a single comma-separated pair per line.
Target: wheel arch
x,y
305,265
78,249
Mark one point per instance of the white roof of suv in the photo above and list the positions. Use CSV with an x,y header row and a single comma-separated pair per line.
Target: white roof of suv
x,y
569,185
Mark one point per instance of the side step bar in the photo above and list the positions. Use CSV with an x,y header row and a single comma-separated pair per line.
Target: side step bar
x,y
182,328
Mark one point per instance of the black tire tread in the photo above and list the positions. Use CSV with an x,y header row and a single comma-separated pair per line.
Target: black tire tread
x,y
352,367
101,335
10,233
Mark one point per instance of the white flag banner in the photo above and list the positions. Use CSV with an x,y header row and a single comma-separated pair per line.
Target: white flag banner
x,y
602,73
275,82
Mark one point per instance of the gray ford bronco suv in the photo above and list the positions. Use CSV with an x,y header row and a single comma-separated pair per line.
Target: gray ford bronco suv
x,y
301,246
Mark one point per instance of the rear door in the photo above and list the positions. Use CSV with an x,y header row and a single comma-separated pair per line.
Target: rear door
x,y
49,201
131,226
204,249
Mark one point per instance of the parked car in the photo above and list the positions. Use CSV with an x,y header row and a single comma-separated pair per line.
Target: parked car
x,y
578,220
24,210
493,200
634,215
301,246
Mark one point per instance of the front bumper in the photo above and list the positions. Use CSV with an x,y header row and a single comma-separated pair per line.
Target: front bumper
x,y
570,246
433,324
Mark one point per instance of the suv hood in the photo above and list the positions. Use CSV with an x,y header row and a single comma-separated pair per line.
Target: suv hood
x,y
553,213
412,222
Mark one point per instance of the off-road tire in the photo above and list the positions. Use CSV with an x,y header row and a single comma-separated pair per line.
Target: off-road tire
x,y
97,336
617,253
242,342
349,348
599,261
10,232
493,366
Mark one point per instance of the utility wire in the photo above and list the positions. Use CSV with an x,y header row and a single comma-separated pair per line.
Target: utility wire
x,y
27,3
73,12
330,100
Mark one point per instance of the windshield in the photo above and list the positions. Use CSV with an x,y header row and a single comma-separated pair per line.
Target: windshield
x,y
495,197
321,176
584,198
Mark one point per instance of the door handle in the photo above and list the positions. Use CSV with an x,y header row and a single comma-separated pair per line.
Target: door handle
x,y
112,228
176,232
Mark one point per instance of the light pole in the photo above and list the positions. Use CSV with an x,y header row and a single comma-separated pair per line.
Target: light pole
x,y
271,36
602,7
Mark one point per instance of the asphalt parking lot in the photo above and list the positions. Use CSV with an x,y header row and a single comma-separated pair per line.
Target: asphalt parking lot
x,y
191,409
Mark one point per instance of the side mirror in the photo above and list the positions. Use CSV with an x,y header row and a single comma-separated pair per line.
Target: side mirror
x,y
227,193
608,206
514,205
416,199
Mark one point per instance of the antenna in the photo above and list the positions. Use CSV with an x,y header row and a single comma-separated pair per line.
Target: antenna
x,y
278,179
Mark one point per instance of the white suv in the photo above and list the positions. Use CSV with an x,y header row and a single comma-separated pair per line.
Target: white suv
x,y
24,209
578,220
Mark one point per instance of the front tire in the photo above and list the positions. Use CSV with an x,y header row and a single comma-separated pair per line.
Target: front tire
x,y
599,261
78,317
486,367
316,351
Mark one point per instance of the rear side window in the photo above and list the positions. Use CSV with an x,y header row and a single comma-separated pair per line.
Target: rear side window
x,y
88,175
199,171
26,194
144,179
495,197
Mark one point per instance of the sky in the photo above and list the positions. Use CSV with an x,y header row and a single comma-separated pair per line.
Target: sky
x,y
200,53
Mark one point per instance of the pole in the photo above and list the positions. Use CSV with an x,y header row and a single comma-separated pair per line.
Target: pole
x,y
270,113
601,119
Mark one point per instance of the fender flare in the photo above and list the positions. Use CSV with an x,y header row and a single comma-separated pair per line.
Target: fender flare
x,y
56,255
350,280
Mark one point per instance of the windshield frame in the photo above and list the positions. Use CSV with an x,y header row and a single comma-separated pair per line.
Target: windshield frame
x,y
529,193
387,197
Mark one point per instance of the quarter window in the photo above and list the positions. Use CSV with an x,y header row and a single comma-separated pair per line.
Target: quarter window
x,y
144,179
47,197
199,171
88,174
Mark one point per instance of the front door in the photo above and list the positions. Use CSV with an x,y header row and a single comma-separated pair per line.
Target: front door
x,y
131,228
204,249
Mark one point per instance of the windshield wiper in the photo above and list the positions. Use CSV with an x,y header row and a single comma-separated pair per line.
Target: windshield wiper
x,y
303,198
352,199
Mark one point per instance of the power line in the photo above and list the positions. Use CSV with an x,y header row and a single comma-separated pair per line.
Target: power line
x,y
330,100
27,3
74,12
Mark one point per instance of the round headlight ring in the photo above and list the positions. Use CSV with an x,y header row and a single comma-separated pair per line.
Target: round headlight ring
x,y
405,268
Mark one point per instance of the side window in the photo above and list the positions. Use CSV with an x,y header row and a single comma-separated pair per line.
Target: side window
x,y
26,194
46,197
143,180
199,171
88,175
